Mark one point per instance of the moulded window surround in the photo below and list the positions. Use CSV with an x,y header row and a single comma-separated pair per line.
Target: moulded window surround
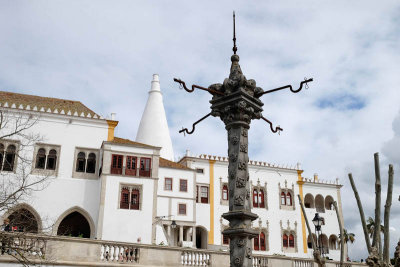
x,y
258,197
181,209
225,192
260,242
286,199
204,194
183,185
168,184
8,158
86,163
130,197
46,158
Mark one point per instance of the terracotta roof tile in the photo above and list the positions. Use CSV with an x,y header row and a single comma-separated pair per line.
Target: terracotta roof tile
x,y
118,140
170,164
45,103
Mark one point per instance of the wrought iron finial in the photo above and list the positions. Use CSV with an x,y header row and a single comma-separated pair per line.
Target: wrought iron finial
x,y
234,34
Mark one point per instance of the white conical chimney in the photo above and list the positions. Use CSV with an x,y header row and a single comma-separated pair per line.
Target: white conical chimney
x,y
153,127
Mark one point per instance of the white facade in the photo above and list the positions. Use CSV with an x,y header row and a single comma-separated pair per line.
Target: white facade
x,y
110,188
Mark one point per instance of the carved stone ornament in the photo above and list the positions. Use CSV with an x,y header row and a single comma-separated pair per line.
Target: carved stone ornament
x,y
239,200
240,182
238,261
241,242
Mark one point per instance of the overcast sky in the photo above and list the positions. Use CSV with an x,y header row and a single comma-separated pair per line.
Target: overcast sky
x,y
103,53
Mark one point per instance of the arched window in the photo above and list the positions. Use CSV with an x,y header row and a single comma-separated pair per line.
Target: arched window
x,y
81,162
309,201
319,203
91,163
1,155
255,198
262,241
9,158
285,241
256,243
40,159
329,202
283,198
261,198
51,160
291,241
288,199
225,192
124,199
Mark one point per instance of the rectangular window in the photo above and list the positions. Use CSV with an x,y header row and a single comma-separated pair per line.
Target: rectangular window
x,y
135,199
145,167
198,170
124,204
225,240
182,209
204,194
197,194
168,184
116,164
183,185
130,197
131,165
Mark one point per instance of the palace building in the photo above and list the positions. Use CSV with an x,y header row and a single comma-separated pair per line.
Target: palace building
x,y
104,187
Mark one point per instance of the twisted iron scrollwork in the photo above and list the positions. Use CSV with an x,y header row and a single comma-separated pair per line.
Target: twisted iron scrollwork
x,y
183,85
274,130
306,81
185,130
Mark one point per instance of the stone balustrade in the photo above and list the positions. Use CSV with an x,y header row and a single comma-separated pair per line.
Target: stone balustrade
x,y
194,258
73,251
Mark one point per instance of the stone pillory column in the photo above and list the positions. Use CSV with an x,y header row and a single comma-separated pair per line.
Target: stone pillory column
x,y
236,109
236,102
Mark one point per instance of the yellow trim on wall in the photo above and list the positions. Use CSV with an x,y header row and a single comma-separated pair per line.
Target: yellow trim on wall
x,y
300,182
111,127
211,233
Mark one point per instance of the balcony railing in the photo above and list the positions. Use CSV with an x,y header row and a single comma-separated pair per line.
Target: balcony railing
x,y
73,251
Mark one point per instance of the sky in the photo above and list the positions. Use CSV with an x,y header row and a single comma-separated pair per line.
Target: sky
x,y
103,53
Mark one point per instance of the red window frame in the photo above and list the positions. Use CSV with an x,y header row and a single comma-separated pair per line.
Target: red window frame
x,y
131,165
283,198
116,164
145,167
181,209
291,241
256,243
225,192
225,239
183,185
204,199
255,198
261,203
124,202
289,199
135,199
285,240
168,185
262,241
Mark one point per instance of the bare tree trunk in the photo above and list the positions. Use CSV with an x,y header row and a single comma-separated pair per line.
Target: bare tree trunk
x,y
308,225
386,257
341,234
362,216
377,229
